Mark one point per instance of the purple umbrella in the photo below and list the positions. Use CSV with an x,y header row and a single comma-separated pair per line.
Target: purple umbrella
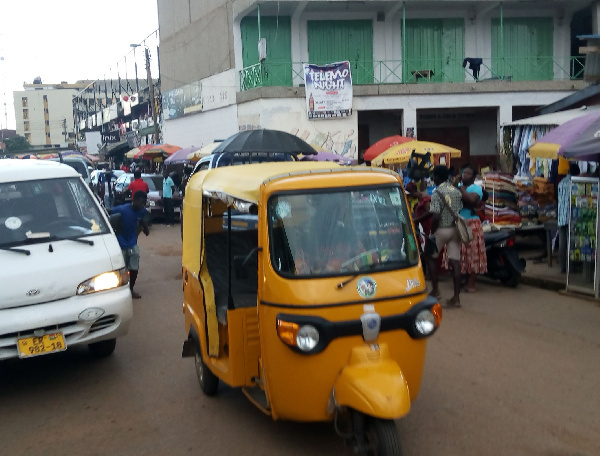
x,y
181,156
324,155
578,138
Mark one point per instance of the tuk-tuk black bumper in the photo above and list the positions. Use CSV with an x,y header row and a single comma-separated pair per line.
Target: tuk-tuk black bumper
x,y
329,330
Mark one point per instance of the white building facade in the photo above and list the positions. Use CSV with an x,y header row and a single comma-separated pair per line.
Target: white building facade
x,y
411,66
44,113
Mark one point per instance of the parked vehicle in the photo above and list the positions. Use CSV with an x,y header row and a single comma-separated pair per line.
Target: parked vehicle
x,y
240,158
64,280
78,164
503,262
311,298
154,204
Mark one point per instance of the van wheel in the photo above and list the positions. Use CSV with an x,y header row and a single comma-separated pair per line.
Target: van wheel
x,y
209,382
103,348
382,438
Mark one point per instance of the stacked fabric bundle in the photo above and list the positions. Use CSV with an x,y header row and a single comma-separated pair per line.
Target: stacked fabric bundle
x,y
502,207
537,203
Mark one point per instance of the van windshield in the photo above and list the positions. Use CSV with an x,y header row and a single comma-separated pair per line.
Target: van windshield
x,y
341,232
37,210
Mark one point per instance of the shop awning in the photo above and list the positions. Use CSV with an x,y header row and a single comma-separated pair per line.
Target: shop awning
x,y
555,118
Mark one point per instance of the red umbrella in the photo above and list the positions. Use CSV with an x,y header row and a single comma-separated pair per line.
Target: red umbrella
x,y
384,144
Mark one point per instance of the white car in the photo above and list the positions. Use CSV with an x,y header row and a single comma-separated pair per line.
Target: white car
x,y
63,280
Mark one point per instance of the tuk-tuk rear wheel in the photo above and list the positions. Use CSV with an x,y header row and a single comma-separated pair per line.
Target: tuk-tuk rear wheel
x,y
382,437
209,382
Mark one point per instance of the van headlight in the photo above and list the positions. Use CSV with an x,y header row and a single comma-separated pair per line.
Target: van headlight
x,y
303,337
427,320
104,281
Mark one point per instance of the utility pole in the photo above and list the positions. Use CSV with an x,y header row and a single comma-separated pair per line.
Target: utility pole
x,y
152,100
64,125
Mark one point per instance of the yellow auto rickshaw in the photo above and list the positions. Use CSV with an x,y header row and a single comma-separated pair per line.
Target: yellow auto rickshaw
x,y
302,286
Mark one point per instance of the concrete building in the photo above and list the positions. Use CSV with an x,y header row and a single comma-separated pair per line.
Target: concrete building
x,y
44,113
446,71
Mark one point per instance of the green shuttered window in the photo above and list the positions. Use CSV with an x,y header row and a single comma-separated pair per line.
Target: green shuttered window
x,y
523,49
434,50
277,68
336,41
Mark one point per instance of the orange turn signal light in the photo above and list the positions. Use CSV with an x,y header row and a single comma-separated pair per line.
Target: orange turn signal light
x,y
436,310
287,331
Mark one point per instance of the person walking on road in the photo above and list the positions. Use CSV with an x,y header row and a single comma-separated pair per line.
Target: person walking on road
x,y
564,207
138,183
444,233
167,196
132,216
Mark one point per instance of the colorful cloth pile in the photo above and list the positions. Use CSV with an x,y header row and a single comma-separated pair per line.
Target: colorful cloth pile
x,y
501,207
537,203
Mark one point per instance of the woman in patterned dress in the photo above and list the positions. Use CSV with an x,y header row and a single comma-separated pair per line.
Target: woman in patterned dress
x,y
473,258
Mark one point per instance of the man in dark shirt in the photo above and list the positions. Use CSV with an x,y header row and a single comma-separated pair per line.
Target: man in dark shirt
x,y
131,215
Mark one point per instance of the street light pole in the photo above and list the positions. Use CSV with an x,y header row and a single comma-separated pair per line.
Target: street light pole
x,y
152,100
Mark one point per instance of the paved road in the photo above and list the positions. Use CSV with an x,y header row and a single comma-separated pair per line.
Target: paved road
x,y
515,372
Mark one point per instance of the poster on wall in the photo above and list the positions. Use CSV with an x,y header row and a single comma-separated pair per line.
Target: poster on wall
x,y
182,100
328,90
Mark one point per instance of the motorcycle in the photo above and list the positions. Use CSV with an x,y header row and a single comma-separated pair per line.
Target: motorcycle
x,y
503,262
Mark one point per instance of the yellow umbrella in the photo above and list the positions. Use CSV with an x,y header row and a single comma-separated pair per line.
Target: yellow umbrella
x,y
203,151
401,153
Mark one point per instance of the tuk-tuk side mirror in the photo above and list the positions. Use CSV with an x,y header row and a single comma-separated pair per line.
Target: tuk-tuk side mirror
x,y
116,222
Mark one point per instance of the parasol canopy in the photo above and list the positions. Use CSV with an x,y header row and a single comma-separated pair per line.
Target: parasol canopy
x,y
138,152
325,155
160,150
264,140
578,138
384,144
401,153
181,156
204,151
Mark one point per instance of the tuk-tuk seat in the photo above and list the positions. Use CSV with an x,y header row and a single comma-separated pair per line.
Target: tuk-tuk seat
x,y
244,287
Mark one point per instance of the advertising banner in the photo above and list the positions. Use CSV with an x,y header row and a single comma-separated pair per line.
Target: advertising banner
x,y
328,90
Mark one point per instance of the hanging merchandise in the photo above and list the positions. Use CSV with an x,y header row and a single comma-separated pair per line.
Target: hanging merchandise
x,y
582,264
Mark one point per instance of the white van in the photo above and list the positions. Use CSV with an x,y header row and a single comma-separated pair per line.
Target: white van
x,y
79,165
63,280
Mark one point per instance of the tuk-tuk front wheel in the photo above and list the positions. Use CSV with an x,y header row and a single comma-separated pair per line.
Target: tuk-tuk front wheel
x,y
382,437
209,382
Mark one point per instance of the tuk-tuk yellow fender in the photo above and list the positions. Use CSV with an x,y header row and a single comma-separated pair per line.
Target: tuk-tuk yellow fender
x,y
373,384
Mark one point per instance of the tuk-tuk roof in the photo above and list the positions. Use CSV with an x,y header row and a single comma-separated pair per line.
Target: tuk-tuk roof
x,y
243,182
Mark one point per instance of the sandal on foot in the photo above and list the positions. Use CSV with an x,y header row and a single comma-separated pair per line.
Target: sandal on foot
x,y
437,295
453,303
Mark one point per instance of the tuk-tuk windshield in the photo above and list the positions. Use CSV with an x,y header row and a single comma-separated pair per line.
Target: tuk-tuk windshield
x,y
340,232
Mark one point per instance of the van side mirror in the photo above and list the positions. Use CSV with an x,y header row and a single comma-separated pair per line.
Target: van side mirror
x,y
116,222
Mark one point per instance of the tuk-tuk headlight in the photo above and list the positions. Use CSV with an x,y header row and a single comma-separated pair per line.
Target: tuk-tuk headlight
x,y
303,337
307,338
427,320
104,281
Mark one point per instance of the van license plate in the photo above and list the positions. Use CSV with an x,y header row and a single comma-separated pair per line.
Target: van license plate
x,y
34,346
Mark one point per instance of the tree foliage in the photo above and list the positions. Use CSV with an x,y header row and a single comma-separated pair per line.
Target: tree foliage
x,y
16,144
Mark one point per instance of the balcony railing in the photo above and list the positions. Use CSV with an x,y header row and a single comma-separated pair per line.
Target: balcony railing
x,y
424,71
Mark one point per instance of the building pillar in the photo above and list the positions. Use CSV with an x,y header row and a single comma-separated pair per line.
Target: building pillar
x,y
409,119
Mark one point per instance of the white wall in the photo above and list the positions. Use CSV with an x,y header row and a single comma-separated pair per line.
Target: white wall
x,y
202,128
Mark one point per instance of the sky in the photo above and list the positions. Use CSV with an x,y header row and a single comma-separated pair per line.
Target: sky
x,y
70,40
